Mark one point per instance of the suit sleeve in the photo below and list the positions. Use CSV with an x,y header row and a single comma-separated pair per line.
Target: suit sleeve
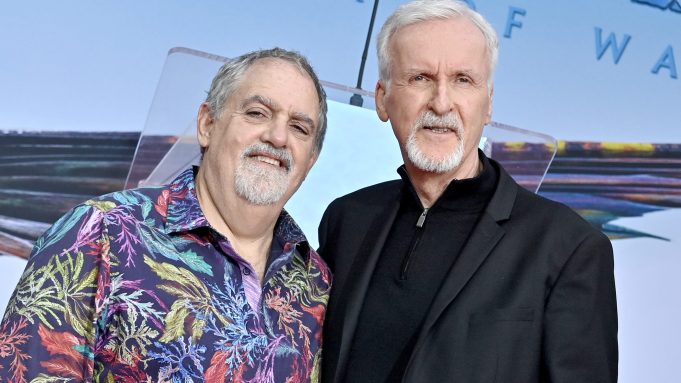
x,y
580,328
48,330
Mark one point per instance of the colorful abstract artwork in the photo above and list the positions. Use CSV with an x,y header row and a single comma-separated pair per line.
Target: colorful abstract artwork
x,y
44,174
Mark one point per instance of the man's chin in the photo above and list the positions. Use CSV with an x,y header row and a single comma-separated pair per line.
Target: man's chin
x,y
261,188
259,198
432,163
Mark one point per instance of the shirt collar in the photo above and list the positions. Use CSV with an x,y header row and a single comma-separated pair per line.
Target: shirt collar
x,y
465,194
185,214
287,230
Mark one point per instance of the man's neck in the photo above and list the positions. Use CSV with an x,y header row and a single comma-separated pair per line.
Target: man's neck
x,y
249,227
430,185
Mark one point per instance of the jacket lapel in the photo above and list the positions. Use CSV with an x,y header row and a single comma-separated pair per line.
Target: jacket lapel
x,y
350,304
482,241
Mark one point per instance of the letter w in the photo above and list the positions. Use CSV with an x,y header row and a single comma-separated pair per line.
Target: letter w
x,y
601,47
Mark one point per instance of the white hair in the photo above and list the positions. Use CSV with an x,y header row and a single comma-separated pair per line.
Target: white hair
x,y
260,185
427,10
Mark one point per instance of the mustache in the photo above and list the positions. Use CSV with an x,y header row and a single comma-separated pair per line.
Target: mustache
x,y
282,155
450,121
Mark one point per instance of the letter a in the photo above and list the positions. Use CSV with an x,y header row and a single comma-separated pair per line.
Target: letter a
x,y
666,61
617,51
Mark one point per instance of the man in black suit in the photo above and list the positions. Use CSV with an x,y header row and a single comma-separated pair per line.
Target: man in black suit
x,y
455,273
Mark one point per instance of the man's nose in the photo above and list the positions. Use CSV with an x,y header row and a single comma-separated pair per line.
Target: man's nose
x,y
442,100
276,133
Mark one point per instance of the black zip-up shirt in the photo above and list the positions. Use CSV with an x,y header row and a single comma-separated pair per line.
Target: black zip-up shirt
x,y
419,252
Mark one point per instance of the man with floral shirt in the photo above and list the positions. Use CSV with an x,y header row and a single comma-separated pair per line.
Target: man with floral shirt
x,y
205,279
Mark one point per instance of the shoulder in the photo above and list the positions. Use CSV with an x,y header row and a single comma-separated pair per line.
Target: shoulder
x,y
532,209
350,215
138,203
361,204
551,235
542,216
546,208
89,218
530,215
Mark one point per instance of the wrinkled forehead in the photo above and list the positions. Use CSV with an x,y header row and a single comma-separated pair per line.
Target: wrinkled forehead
x,y
279,84
455,40
270,72
444,31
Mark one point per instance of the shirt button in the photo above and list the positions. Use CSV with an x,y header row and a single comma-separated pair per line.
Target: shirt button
x,y
246,271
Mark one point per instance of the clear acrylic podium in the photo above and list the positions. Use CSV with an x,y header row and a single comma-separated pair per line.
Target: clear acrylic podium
x,y
359,149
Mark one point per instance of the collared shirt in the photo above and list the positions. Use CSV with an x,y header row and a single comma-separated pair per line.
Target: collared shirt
x,y
135,286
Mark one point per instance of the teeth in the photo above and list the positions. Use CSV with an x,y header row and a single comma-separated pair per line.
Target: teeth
x,y
438,130
268,160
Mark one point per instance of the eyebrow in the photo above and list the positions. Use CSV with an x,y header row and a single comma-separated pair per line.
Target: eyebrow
x,y
464,71
469,72
304,118
413,71
269,103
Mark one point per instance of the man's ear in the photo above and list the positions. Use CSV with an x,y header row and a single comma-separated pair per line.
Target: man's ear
x,y
205,122
489,108
380,101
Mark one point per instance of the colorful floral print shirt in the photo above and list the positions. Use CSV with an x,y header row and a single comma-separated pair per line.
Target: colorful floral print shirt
x,y
135,286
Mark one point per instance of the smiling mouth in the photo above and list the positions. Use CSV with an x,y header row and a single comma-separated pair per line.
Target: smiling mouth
x,y
276,162
438,129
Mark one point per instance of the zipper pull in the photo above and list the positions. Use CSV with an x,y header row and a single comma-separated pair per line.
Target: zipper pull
x,y
422,218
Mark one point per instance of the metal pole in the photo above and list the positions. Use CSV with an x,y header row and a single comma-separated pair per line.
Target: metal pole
x,y
356,99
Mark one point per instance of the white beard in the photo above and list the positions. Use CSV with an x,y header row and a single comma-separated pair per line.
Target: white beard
x,y
431,163
259,184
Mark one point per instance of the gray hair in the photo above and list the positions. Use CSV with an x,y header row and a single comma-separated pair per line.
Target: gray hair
x,y
427,10
229,77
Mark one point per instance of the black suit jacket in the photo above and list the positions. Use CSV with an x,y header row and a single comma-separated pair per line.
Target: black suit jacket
x,y
531,297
